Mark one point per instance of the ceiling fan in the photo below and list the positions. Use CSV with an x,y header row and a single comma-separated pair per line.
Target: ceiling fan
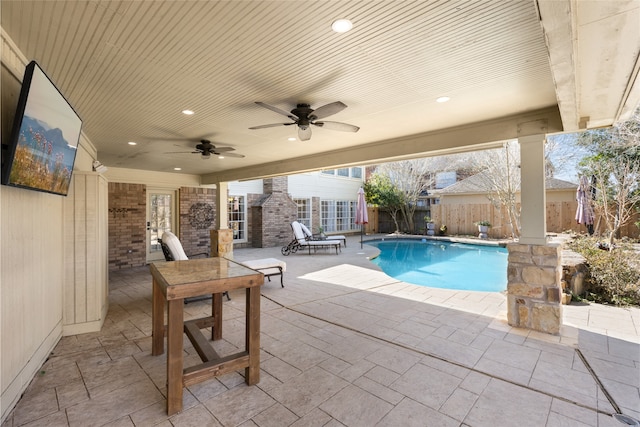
x,y
303,116
205,148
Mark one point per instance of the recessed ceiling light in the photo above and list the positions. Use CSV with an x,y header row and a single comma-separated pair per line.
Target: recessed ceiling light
x,y
177,169
221,157
132,143
443,99
291,138
341,25
187,112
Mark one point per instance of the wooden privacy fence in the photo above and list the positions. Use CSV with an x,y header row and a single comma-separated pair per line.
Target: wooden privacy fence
x,y
461,219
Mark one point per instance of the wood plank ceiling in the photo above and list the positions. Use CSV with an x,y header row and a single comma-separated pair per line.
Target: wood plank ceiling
x,y
130,67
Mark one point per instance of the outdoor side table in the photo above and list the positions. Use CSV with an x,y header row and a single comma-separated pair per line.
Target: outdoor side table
x,y
176,280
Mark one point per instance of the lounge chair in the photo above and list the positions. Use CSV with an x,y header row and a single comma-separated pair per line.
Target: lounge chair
x,y
267,266
173,251
301,241
311,236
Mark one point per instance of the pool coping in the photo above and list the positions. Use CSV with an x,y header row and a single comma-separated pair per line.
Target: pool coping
x,y
469,240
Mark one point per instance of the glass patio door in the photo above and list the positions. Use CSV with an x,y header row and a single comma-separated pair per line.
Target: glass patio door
x,y
160,218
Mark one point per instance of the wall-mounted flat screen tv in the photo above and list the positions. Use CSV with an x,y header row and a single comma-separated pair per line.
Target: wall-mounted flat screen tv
x,y
46,130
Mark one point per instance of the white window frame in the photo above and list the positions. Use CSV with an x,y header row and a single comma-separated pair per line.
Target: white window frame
x,y
305,217
238,217
329,215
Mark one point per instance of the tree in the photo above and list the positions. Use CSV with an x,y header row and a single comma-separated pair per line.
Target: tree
x,y
501,177
380,191
614,164
412,178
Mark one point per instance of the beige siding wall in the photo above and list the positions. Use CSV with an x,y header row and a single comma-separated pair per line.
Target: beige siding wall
x,y
34,228
31,283
86,281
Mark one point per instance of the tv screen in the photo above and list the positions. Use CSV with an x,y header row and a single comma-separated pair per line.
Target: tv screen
x,y
42,149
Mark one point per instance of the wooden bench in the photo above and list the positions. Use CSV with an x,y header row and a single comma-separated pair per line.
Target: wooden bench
x,y
267,266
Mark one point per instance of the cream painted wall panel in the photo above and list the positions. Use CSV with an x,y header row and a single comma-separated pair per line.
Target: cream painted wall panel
x,y
31,285
78,255
33,258
86,249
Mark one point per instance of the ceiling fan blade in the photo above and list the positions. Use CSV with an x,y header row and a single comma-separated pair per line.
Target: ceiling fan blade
x,y
328,110
272,125
304,134
224,149
182,152
238,156
344,127
276,109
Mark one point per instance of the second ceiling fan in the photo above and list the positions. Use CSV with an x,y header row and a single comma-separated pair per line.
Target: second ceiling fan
x,y
304,116
205,148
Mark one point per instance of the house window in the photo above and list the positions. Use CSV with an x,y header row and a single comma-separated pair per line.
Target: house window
x,y
356,172
343,221
304,211
328,215
329,172
343,172
236,208
338,215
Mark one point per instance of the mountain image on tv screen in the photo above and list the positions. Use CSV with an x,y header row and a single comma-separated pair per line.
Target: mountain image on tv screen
x,y
47,139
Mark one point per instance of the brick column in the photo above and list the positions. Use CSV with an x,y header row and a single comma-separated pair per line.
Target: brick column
x,y
533,287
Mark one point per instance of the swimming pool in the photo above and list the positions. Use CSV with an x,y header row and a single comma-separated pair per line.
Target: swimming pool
x,y
448,265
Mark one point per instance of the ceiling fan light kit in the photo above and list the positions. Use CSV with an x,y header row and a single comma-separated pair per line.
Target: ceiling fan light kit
x,y
304,116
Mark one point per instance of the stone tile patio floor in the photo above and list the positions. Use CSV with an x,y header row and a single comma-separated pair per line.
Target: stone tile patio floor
x,y
345,345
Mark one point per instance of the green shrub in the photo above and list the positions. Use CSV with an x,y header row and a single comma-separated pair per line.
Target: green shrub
x,y
614,276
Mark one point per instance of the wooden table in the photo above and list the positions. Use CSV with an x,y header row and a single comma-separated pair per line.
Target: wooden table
x,y
176,280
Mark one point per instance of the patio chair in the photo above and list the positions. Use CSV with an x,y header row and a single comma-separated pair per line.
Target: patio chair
x,y
301,241
311,236
173,251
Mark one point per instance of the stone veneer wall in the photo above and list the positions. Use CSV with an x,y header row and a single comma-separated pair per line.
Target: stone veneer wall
x,y
533,287
195,238
127,226
222,243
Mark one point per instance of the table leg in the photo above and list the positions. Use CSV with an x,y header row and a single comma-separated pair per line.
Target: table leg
x,y
252,372
157,316
216,312
175,327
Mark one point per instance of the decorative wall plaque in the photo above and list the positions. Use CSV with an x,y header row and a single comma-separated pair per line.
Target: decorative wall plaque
x,y
201,215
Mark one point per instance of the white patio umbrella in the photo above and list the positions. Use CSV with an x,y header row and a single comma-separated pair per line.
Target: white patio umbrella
x,y
362,217
584,213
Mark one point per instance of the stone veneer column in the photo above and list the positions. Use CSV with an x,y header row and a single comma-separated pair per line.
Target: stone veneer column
x,y
222,243
534,288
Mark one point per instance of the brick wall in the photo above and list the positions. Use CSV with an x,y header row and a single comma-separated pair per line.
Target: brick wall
x,y
269,217
195,223
127,226
272,215
315,214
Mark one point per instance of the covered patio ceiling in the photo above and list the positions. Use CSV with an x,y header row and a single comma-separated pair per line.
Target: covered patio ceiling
x,y
129,68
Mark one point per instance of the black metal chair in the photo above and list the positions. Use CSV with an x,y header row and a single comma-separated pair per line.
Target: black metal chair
x,y
169,256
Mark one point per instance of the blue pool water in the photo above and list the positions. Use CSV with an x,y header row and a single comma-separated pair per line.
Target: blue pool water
x,y
447,265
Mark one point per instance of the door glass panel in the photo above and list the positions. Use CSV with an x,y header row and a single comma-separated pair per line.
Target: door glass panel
x,y
159,220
